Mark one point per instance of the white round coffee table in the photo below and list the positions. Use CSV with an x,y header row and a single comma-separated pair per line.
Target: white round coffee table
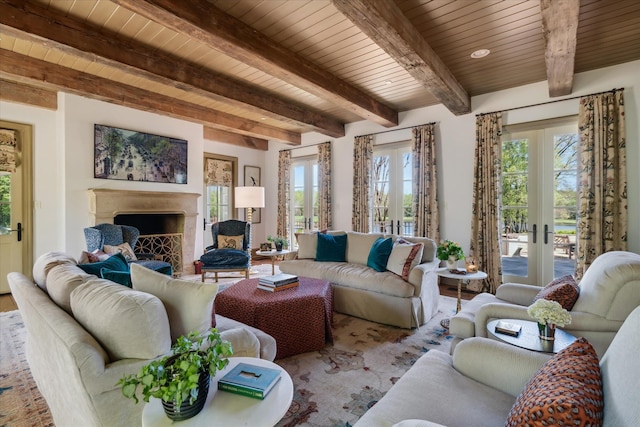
x,y
226,409
273,254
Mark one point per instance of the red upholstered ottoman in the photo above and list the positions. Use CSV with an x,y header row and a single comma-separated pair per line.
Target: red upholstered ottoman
x,y
299,318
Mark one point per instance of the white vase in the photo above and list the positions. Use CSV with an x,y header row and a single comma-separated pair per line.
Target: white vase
x,y
452,263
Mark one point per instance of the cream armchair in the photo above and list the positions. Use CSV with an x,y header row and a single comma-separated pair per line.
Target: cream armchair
x,y
609,291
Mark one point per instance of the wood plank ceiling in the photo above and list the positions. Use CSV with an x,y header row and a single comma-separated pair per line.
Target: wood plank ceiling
x,y
257,70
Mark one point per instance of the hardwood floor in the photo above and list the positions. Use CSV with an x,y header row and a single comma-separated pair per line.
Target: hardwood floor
x,y
7,303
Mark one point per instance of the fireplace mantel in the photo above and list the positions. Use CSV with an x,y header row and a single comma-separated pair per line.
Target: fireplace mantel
x,y
105,204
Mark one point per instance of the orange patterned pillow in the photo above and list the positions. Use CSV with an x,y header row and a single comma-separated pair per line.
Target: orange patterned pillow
x,y
564,290
567,390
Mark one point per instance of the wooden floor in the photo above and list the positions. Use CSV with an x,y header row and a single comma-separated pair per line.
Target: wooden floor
x,y
7,303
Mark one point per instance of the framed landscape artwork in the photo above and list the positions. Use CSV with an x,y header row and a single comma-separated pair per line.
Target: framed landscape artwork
x,y
137,156
252,179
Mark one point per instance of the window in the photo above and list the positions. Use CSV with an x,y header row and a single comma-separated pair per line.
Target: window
x,y
304,197
219,182
392,189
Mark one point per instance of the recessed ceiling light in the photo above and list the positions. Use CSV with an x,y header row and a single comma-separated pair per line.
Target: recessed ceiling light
x,y
263,118
480,53
388,82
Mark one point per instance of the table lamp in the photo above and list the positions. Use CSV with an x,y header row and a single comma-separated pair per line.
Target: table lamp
x,y
249,198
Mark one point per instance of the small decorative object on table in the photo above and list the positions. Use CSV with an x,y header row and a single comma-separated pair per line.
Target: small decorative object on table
x,y
265,247
279,242
508,328
450,252
249,380
549,314
181,380
471,265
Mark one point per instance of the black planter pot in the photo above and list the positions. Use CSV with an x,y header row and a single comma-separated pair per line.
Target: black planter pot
x,y
278,247
188,410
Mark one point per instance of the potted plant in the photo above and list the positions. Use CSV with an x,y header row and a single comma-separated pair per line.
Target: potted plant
x,y
181,380
450,252
279,242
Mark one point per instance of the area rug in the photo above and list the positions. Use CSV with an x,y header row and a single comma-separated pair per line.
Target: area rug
x,y
21,404
333,387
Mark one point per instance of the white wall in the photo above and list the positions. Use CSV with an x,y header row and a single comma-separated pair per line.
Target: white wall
x,y
456,143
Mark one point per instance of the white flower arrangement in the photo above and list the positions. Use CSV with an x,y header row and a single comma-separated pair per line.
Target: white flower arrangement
x,y
549,312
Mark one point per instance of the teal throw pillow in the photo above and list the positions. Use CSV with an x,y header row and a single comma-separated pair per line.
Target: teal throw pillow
x,y
115,262
331,248
379,253
121,277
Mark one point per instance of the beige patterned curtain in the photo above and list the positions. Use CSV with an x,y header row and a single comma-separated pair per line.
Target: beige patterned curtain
x,y
485,222
8,142
325,217
425,184
602,180
362,158
284,179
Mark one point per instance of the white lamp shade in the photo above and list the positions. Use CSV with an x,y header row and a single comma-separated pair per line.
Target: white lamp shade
x,y
249,197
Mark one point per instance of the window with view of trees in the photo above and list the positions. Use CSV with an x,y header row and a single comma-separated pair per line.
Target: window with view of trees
x,y
392,190
304,188
5,200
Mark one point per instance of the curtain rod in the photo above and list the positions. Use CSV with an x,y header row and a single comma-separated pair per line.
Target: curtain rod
x,y
304,146
550,102
393,130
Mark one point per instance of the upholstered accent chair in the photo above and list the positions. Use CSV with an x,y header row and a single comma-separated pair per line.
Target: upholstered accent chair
x,y
230,249
608,292
115,235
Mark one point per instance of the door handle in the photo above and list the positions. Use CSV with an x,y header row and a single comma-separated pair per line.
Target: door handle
x,y
546,234
18,230
535,233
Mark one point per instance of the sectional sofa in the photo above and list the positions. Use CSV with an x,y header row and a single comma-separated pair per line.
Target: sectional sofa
x,y
84,333
407,300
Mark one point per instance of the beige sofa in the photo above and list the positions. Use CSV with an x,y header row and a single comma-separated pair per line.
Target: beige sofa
x,y
361,291
479,384
75,370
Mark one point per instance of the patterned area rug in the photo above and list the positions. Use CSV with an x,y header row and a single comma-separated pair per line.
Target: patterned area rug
x,y
333,387
21,404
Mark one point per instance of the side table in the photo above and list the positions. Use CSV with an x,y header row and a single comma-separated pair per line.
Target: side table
x,y
528,337
445,272
273,255
228,409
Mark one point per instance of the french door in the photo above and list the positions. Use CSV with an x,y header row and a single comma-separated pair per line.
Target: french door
x,y
304,194
539,202
392,189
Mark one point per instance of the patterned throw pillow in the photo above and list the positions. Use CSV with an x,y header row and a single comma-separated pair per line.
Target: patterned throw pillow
x,y
230,242
567,390
563,290
404,256
123,248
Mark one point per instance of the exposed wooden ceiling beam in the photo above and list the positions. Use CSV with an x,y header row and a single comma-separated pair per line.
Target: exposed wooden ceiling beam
x,y
21,68
32,22
27,94
202,21
560,28
386,25
235,139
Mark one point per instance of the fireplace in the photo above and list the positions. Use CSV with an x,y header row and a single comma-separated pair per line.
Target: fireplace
x,y
152,212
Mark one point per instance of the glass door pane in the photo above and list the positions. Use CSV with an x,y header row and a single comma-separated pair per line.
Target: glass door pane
x,y
380,180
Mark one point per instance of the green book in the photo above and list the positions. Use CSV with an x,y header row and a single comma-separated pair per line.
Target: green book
x,y
249,380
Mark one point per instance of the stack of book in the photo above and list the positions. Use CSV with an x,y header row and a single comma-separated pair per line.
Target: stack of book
x,y
278,282
508,328
249,380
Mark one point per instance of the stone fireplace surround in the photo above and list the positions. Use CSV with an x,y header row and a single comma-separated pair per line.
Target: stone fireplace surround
x,y
106,204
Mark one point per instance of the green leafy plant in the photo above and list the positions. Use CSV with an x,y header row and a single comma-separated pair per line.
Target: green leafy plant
x,y
277,240
448,249
175,378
